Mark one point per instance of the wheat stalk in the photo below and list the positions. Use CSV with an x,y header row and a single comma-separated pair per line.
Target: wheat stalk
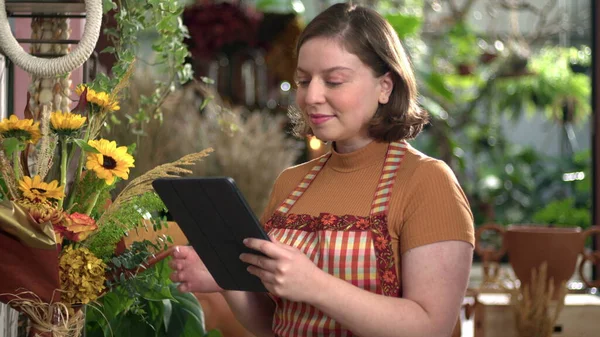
x,y
8,174
532,304
143,183
46,151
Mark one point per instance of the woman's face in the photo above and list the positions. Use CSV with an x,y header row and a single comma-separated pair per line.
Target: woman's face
x,y
338,93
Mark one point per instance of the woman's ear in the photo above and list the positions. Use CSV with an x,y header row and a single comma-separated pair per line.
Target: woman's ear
x,y
387,85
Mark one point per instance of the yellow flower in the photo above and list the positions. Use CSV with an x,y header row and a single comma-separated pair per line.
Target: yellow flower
x,y
111,162
99,98
66,122
81,275
36,189
23,129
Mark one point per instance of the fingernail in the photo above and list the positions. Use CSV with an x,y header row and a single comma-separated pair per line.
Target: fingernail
x,y
245,241
177,249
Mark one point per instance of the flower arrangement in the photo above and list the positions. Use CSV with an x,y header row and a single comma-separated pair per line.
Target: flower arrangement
x,y
60,228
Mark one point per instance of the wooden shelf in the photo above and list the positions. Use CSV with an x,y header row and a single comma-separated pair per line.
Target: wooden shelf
x,y
44,7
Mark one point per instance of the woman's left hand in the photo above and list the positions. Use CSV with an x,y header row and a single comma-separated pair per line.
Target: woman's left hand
x,y
285,271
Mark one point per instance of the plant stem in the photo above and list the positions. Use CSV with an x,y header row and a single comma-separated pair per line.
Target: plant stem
x,y
79,168
64,154
17,164
91,205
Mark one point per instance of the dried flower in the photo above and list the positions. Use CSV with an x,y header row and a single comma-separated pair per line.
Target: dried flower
x,y
44,212
81,275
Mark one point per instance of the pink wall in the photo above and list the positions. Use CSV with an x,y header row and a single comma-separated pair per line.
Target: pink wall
x,y
23,79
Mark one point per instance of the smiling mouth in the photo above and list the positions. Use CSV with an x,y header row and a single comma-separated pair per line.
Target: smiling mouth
x,y
319,119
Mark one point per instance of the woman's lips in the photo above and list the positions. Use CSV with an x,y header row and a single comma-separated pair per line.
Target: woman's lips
x,y
320,119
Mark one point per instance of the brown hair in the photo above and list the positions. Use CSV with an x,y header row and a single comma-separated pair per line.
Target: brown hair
x,y
366,34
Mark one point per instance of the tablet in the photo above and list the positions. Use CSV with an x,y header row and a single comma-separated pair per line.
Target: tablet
x,y
215,218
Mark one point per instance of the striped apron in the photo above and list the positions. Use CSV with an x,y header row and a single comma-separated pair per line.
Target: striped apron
x,y
357,249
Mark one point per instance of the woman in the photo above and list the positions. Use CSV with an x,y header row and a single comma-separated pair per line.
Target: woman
x,y
372,239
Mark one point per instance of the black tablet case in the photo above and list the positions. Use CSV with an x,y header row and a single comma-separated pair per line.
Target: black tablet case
x,y
215,218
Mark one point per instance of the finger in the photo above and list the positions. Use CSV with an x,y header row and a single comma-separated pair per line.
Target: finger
x,y
175,265
263,275
178,252
281,244
268,248
183,287
183,252
259,261
175,276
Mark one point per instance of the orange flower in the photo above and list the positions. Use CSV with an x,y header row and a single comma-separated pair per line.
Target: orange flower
x,y
381,243
362,224
389,277
79,227
328,219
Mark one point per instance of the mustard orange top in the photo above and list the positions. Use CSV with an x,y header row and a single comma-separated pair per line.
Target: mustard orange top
x,y
427,204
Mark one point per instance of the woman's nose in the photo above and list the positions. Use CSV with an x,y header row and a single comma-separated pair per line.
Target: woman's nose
x,y
315,92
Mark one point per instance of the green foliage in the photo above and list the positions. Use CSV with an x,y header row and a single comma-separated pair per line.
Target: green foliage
x,y
564,213
162,19
405,25
148,305
127,217
463,42
551,86
573,207
86,193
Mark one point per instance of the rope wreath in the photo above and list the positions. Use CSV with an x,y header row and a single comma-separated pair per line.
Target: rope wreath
x,y
44,67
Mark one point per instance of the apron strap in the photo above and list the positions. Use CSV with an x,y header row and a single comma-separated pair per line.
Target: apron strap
x,y
383,193
297,193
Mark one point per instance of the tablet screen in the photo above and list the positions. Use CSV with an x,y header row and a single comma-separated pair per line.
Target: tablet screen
x,y
215,218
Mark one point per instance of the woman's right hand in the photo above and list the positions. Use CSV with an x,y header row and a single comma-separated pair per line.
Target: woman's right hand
x,y
191,272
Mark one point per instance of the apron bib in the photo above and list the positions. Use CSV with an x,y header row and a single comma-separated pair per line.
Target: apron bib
x,y
357,249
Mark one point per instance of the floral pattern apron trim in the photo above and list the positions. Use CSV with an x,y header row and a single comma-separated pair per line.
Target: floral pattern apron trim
x,y
357,249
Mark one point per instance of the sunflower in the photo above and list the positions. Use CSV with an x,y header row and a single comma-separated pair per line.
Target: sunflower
x,y
99,98
111,162
36,189
23,129
66,123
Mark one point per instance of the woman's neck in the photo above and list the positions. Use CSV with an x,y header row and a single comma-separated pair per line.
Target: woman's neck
x,y
351,146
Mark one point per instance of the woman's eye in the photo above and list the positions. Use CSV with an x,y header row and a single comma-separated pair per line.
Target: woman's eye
x,y
302,84
333,84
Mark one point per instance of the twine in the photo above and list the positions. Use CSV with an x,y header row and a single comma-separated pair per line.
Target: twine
x,y
45,67
48,317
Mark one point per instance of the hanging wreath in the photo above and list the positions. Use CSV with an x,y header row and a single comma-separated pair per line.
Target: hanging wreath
x,y
45,67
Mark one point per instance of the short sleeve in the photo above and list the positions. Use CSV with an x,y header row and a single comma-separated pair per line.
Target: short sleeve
x,y
436,208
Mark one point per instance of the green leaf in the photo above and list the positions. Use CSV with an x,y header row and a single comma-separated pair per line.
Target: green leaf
x,y
435,82
109,50
108,5
214,333
167,312
404,24
187,316
10,145
85,146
